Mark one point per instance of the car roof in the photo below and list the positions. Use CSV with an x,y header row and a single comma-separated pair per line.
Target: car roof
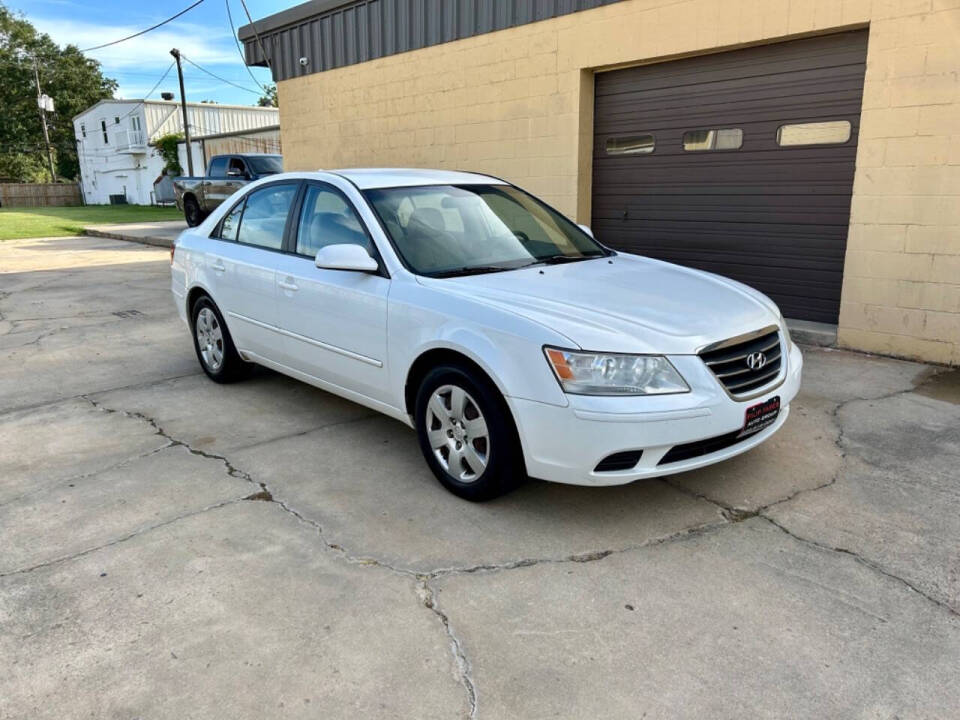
x,y
367,178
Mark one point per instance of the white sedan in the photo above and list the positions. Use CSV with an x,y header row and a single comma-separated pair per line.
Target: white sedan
x,y
511,340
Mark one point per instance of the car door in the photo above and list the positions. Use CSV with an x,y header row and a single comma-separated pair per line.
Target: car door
x,y
244,266
214,184
335,321
237,176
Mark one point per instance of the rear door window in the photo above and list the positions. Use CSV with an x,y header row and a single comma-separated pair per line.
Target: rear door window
x,y
265,216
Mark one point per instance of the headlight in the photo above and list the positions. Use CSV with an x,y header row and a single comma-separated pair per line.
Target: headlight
x,y
587,373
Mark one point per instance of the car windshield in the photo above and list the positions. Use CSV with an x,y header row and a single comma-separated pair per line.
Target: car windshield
x,y
266,164
449,230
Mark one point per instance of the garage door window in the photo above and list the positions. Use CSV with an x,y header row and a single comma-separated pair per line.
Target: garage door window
x,y
817,133
634,145
723,139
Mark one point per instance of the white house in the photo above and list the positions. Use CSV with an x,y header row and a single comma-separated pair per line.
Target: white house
x,y
114,142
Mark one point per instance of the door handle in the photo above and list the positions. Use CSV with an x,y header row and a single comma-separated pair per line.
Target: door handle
x,y
218,267
288,285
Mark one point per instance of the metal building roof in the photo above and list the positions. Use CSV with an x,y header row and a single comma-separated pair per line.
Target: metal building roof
x,y
325,34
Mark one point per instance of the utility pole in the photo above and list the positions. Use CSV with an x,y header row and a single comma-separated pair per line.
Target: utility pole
x,y
183,105
42,103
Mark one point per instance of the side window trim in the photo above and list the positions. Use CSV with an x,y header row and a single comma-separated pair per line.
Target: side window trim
x,y
295,228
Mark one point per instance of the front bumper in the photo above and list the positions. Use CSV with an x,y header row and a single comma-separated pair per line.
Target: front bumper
x,y
565,444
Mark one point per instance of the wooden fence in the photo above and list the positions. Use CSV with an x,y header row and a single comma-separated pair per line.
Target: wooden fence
x,y
39,194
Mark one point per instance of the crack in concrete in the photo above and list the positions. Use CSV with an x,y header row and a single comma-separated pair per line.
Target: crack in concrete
x,y
429,600
730,515
427,594
117,541
83,476
866,563
585,557
739,514
84,395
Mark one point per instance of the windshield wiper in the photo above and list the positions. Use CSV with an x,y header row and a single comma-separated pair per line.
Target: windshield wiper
x,y
560,259
472,270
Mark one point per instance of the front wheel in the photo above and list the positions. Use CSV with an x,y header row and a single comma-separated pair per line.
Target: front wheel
x,y
467,435
191,211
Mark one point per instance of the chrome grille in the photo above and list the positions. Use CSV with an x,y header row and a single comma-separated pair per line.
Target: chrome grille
x,y
729,362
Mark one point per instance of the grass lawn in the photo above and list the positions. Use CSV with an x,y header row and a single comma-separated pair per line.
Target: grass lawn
x,y
53,221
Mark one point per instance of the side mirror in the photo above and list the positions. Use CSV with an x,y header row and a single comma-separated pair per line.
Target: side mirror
x,y
586,229
346,257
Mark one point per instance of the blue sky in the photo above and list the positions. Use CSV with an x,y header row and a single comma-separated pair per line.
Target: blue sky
x,y
203,35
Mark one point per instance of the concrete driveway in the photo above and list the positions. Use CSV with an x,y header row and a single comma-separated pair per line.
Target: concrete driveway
x,y
173,548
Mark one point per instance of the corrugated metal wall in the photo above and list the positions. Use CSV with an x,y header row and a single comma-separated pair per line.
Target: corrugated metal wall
x,y
163,118
256,141
367,29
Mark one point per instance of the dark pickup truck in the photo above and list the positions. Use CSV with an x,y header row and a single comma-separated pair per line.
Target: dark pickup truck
x,y
197,197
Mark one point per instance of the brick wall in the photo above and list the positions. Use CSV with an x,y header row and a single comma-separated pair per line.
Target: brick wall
x,y
518,104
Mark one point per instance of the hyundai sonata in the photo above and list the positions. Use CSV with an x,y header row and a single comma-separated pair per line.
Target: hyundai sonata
x,y
511,340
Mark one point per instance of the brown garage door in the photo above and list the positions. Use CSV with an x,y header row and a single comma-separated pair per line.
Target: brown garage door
x,y
740,163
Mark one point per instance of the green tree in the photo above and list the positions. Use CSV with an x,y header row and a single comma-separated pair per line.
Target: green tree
x,y
167,146
269,99
73,81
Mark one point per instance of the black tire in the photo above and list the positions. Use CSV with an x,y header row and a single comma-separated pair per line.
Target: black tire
x,y
231,366
192,212
504,468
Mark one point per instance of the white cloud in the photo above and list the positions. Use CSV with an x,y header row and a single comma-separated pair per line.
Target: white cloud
x,y
200,43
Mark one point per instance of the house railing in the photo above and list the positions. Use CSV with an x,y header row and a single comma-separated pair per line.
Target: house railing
x,y
130,141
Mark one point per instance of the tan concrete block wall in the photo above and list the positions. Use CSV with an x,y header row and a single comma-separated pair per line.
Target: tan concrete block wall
x,y
518,104
901,290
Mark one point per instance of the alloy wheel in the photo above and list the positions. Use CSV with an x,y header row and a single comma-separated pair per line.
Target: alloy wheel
x,y
458,433
209,339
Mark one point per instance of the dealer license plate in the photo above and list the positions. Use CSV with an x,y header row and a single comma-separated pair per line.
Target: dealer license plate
x,y
760,416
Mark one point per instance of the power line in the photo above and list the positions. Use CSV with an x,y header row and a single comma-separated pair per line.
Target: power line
x,y
217,77
143,32
152,90
243,58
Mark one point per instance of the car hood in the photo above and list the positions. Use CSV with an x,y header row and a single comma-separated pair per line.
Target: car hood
x,y
624,303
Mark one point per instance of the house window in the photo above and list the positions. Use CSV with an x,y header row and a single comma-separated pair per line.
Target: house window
x,y
116,121
724,139
83,129
634,145
103,127
815,133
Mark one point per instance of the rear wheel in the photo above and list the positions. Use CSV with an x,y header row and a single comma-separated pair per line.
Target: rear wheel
x,y
467,435
191,211
215,349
